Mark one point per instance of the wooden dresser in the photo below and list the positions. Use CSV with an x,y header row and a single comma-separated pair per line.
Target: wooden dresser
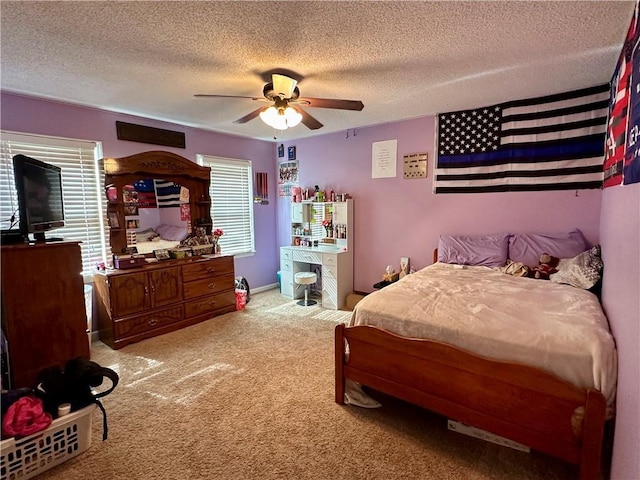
x,y
158,298
43,309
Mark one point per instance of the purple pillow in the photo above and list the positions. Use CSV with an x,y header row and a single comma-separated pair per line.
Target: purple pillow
x,y
487,250
527,247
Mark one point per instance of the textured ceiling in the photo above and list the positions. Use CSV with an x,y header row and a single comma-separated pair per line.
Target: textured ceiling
x,y
401,59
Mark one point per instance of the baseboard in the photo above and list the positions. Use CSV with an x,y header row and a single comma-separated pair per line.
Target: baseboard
x,y
264,288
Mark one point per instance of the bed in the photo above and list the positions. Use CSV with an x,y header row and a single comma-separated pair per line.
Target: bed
x,y
527,359
162,237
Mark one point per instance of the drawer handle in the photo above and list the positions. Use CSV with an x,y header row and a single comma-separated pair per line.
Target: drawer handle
x,y
212,285
212,303
153,322
211,269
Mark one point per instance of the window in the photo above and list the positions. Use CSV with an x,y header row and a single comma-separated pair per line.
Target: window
x,y
81,177
232,202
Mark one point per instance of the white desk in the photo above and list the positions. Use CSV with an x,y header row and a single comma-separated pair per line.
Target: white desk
x,y
337,272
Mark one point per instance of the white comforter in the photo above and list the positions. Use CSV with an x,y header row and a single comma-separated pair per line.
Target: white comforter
x,y
559,328
156,244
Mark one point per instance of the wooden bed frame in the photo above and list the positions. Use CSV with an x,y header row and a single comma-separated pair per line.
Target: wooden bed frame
x,y
516,401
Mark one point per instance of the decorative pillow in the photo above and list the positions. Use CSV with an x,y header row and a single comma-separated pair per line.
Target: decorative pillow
x,y
487,250
582,271
172,232
527,247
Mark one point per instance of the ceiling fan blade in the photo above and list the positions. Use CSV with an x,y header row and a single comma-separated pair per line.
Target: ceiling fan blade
x,y
250,116
225,96
332,103
283,85
310,122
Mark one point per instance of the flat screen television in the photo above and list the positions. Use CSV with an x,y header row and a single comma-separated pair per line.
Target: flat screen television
x,y
39,189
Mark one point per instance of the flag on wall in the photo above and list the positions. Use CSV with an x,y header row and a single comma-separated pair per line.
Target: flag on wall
x,y
146,193
546,143
618,112
167,193
631,169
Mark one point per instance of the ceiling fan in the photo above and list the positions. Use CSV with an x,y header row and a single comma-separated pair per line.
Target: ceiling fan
x,y
285,111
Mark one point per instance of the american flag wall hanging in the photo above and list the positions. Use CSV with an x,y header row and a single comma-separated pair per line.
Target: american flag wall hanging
x,y
167,193
546,143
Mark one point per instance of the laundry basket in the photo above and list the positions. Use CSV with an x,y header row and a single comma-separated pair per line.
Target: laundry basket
x,y
66,437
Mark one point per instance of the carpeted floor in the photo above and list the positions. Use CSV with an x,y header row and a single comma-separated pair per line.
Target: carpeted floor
x,y
249,395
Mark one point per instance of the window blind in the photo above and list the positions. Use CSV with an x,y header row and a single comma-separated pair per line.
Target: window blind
x,y
232,202
81,178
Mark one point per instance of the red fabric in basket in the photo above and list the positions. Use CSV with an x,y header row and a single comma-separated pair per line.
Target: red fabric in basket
x,y
25,417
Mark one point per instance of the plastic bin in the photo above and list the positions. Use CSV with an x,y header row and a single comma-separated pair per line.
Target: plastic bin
x,y
66,437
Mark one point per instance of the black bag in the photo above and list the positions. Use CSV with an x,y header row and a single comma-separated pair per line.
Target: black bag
x,y
75,385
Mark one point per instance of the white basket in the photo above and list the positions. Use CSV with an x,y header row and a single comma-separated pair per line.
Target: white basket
x,y
66,437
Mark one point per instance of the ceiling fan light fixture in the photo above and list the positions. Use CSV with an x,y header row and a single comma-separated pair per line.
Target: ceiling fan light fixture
x,y
270,117
281,118
293,117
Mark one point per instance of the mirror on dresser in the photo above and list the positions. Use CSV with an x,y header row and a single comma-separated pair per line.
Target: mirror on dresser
x,y
154,200
138,300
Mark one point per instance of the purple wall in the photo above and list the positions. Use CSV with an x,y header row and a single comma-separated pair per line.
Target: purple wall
x,y
31,115
620,237
397,218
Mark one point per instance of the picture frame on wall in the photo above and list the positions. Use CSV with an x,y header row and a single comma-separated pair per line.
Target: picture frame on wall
x,y
281,150
292,153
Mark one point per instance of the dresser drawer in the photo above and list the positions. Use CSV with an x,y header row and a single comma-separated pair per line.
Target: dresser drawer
x,y
128,327
285,254
209,286
329,271
307,257
210,304
207,269
329,259
286,266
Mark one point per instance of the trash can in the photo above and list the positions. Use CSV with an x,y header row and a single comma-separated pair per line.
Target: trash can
x,y
88,305
279,274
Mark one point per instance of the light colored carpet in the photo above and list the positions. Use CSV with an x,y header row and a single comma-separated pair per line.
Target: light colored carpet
x,y
249,395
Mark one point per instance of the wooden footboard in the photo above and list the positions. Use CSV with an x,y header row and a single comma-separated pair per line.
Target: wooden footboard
x,y
519,402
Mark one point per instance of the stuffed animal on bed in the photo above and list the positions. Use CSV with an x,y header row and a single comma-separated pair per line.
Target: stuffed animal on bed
x,y
546,266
